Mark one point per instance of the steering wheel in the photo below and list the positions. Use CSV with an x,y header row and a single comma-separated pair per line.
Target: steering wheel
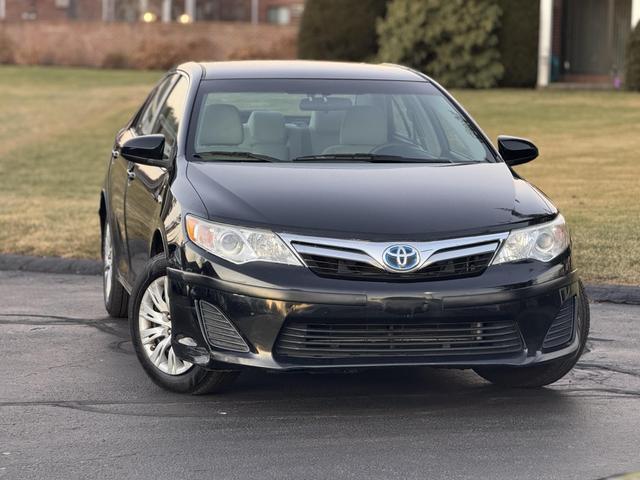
x,y
399,149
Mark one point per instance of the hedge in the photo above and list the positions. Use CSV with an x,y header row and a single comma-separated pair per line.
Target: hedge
x,y
518,42
340,29
498,39
632,66
455,41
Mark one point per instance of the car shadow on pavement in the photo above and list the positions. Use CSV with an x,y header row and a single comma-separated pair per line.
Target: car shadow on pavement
x,y
406,392
400,388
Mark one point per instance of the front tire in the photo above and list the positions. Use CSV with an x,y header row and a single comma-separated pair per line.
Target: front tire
x,y
150,324
545,374
116,298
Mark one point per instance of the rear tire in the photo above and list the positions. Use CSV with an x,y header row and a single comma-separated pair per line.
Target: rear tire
x,y
541,375
116,298
150,324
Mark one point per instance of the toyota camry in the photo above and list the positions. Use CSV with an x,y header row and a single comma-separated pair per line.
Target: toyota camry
x,y
314,215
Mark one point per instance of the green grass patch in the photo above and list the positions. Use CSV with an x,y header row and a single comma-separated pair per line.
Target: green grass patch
x,y
57,127
56,131
589,165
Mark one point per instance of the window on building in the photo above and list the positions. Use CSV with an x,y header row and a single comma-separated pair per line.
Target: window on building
x,y
279,15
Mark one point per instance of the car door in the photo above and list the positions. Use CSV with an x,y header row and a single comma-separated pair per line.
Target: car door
x,y
116,191
147,184
120,170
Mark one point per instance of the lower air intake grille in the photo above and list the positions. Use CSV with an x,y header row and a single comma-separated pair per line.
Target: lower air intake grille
x,y
561,331
219,330
341,340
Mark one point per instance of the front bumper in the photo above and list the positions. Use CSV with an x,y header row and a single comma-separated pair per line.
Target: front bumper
x,y
260,301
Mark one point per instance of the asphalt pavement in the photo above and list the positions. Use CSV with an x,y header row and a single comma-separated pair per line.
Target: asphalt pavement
x,y
74,403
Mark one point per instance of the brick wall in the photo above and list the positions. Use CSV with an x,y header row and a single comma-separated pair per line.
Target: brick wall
x,y
240,10
228,10
207,10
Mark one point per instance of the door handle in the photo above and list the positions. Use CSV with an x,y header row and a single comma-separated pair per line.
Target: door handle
x,y
131,173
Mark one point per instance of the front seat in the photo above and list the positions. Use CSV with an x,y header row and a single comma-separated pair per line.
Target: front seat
x,y
363,129
221,129
268,134
324,129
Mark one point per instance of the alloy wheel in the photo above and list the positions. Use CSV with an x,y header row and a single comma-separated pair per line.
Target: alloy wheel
x,y
154,323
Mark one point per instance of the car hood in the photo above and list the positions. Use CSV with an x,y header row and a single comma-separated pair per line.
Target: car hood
x,y
368,201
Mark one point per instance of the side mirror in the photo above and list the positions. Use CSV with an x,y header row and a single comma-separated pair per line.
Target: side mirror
x,y
516,151
147,150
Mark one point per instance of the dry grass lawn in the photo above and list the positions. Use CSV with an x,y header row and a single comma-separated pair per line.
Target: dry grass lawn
x,y
57,126
56,131
589,165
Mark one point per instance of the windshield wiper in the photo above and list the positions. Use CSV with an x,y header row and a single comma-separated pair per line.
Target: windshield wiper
x,y
368,157
340,157
236,156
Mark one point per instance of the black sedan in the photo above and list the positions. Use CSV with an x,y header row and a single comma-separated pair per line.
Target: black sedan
x,y
310,215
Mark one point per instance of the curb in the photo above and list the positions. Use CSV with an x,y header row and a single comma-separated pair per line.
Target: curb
x,y
50,264
626,294
623,294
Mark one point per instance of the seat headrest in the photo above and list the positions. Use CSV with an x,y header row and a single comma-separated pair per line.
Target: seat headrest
x,y
364,125
326,122
222,125
267,127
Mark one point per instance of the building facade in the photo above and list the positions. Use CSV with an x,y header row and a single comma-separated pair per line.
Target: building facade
x,y
583,41
23,10
282,12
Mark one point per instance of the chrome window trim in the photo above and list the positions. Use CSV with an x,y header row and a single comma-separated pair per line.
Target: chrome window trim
x,y
372,252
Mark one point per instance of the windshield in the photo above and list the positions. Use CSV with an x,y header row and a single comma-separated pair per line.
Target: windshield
x,y
330,120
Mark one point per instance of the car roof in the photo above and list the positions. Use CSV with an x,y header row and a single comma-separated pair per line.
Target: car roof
x,y
306,69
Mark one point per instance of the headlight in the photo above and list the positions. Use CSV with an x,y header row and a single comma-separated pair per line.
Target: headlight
x,y
540,242
239,245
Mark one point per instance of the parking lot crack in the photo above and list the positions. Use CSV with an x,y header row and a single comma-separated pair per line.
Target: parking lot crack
x,y
608,368
56,320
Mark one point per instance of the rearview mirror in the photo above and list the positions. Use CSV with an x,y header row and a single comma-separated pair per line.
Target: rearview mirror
x,y
147,150
516,151
324,104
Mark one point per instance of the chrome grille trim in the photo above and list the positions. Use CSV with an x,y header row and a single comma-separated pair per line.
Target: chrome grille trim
x,y
334,253
372,252
461,252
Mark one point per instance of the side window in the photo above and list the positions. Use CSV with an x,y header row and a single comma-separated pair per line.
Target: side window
x,y
410,122
461,138
401,123
145,122
170,115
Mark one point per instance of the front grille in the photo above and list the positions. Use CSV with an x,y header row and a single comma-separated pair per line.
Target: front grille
x,y
561,331
465,266
220,332
347,340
